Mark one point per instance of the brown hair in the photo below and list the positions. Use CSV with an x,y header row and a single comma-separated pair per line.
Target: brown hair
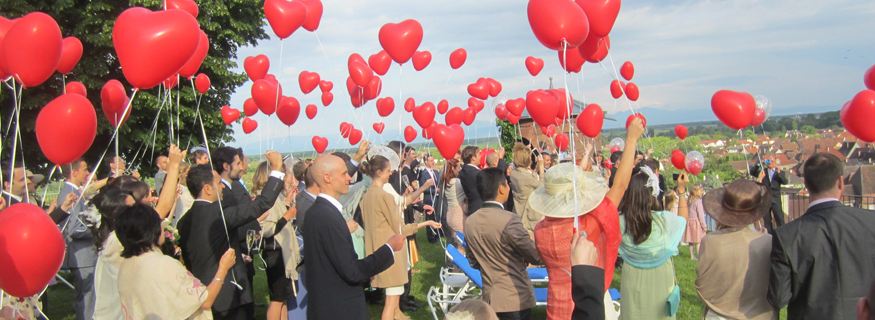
x,y
262,173
469,153
522,156
449,171
376,163
637,206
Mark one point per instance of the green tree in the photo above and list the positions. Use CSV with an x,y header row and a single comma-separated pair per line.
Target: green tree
x,y
508,138
228,25
809,130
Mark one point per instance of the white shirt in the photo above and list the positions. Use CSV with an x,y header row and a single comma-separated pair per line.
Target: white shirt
x,y
472,166
310,194
75,187
817,202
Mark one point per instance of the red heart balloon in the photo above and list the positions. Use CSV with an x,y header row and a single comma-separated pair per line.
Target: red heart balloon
x,y
632,91
351,86
448,139
409,134
65,128
32,48
409,104
385,106
424,114
455,115
380,62
856,116
694,167
355,136
476,104
345,129
595,49
256,67
512,118
562,97
327,97
479,90
558,23
591,120
356,97
326,85
501,112
632,117
516,106
267,94
549,131
542,106
759,116
379,126
308,81
202,83
289,110
627,70
249,125
311,111
152,46
443,106
680,131
470,115
284,16
561,141
869,78
400,40
319,144
734,109
314,14
373,89
457,58
71,52
617,88
75,87
678,159
601,15
26,229
171,82
186,5
230,115
572,60
114,101
421,59
427,133
360,73
534,65
5,25
494,88
193,64
557,121
250,108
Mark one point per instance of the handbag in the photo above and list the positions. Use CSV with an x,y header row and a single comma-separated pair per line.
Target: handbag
x,y
673,301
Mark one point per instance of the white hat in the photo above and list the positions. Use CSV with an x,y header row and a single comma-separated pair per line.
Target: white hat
x,y
556,197
394,160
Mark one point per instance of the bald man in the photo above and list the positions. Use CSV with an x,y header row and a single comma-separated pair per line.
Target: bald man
x,y
334,272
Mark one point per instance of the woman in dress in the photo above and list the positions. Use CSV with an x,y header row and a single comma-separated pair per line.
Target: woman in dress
x,y
185,199
383,219
280,249
696,227
650,239
152,285
523,181
456,200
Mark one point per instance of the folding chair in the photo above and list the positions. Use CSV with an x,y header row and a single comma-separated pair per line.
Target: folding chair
x,y
538,275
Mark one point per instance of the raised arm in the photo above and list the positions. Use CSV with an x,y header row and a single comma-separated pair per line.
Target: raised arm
x,y
624,172
171,182
683,211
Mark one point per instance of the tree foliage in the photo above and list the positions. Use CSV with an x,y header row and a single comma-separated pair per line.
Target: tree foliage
x,y
228,25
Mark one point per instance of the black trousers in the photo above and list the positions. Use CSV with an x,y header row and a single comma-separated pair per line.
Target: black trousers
x,y
776,211
516,315
244,312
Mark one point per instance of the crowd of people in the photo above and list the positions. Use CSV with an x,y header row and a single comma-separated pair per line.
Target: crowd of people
x,y
186,249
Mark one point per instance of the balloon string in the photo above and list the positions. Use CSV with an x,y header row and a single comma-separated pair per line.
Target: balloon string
x,y
16,97
114,136
178,109
45,190
323,48
569,104
64,82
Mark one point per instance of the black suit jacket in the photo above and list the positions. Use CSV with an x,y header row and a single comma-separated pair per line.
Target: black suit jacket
x,y
203,241
588,292
334,272
241,197
430,193
773,184
468,178
823,262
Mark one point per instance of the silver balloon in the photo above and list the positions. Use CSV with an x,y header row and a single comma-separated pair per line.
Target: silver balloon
x,y
765,104
618,144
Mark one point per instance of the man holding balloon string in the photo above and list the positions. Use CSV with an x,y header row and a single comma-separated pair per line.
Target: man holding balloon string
x,y
773,177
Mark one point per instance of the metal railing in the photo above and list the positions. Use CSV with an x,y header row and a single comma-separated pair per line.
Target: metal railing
x,y
795,204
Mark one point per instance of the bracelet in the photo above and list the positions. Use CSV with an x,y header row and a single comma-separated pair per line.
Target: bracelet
x,y
682,194
218,279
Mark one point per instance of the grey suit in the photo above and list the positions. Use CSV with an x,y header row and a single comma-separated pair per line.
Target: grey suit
x,y
81,254
160,176
302,202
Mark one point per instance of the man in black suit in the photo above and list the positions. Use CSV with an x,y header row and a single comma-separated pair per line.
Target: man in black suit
x,y
207,231
334,272
14,189
773,177
468,178
823,262
431,196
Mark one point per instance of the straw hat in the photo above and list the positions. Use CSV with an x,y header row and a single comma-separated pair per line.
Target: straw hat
x,y
556,197
36,178
740,203
394,160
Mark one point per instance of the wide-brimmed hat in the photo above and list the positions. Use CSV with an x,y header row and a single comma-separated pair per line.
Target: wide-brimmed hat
x,y
36,178
556,197
740,203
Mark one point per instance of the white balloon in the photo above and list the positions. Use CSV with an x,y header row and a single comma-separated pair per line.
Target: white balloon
x,y
617,143
765,104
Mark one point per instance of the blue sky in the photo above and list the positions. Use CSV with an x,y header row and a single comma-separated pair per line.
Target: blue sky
x,y
802,54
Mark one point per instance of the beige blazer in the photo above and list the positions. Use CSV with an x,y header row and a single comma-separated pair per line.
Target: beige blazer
x,y
524,182
500,247
383,220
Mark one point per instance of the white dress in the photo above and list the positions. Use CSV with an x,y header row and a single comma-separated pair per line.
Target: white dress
x,y
107,305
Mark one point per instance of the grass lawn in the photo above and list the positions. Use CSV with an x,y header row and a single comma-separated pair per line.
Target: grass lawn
x,y
60,304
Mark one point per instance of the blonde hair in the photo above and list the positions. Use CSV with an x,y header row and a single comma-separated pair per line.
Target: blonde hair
x,y
670,198
472,309
522,156
262,173
696,192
